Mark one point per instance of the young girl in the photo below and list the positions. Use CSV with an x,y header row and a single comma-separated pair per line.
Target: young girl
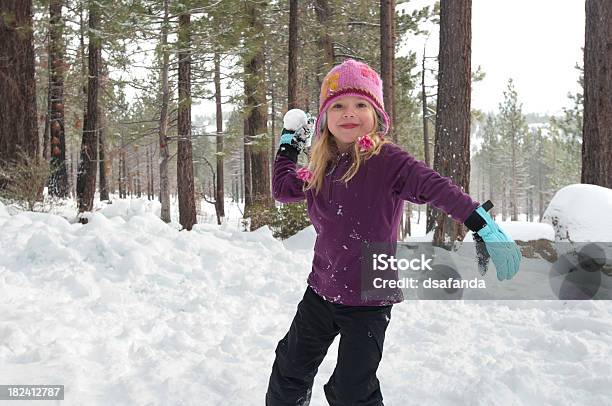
x,y
355,189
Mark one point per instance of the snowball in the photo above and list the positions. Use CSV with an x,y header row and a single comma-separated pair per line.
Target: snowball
x,y
294,119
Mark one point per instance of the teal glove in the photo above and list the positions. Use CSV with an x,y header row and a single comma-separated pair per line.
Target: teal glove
x,y
297,130
503,250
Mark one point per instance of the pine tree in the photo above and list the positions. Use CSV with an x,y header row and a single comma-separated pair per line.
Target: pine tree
x,y
513,129
164,151
597,131
452,153
184,174
256,108
491,151
387,60
18,117
58,184
86,177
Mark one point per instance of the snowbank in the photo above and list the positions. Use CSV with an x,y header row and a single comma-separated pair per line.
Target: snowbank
x,y
3,211
128,310
126,208
581,213
304,240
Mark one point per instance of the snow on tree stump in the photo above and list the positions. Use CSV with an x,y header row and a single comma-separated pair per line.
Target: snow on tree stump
x,y
581,216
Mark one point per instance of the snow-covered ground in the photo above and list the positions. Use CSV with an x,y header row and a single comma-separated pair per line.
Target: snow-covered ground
x,y
127,310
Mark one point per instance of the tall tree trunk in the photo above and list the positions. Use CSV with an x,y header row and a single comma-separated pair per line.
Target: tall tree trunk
x,y
73,166
257,118
18,118
504,199
292,82
103,160
45,139
58,184
152,169
220,197
452,147
387,59
274,138
540,181
149,174
184,164
425,113
248,201
124,172
46,133
164,153
324,40
597,125
387,70
514,181
138,177
86,177
120,174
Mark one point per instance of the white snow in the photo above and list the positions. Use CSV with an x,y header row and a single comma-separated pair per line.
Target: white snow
x,y
583,212
3,211
523,231
294,119
127,310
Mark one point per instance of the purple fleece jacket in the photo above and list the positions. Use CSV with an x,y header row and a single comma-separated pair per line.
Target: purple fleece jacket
x,y
367,208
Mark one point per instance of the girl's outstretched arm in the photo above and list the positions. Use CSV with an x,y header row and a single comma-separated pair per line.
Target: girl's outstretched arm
x,y
414,181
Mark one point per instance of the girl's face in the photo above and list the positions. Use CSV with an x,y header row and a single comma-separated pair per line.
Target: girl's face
x,y
348,118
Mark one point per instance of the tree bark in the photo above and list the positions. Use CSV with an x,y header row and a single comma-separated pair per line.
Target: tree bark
x,y
452,146
292,82
220,196
245,171
18,118
86,177
387,59
138,177
120,174
274,138
425,113
597,125
324,40
256,120
123,170
103,161
58,183
164,153
184,164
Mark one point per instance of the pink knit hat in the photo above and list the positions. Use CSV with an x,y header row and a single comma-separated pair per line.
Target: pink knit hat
x,y
352,78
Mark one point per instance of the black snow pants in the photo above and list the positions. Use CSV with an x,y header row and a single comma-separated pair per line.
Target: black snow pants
x,y
299,354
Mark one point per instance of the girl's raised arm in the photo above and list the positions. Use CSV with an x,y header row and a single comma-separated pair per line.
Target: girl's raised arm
x,y
286,186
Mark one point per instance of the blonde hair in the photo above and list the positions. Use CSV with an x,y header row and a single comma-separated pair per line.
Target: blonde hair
x,y
325,150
